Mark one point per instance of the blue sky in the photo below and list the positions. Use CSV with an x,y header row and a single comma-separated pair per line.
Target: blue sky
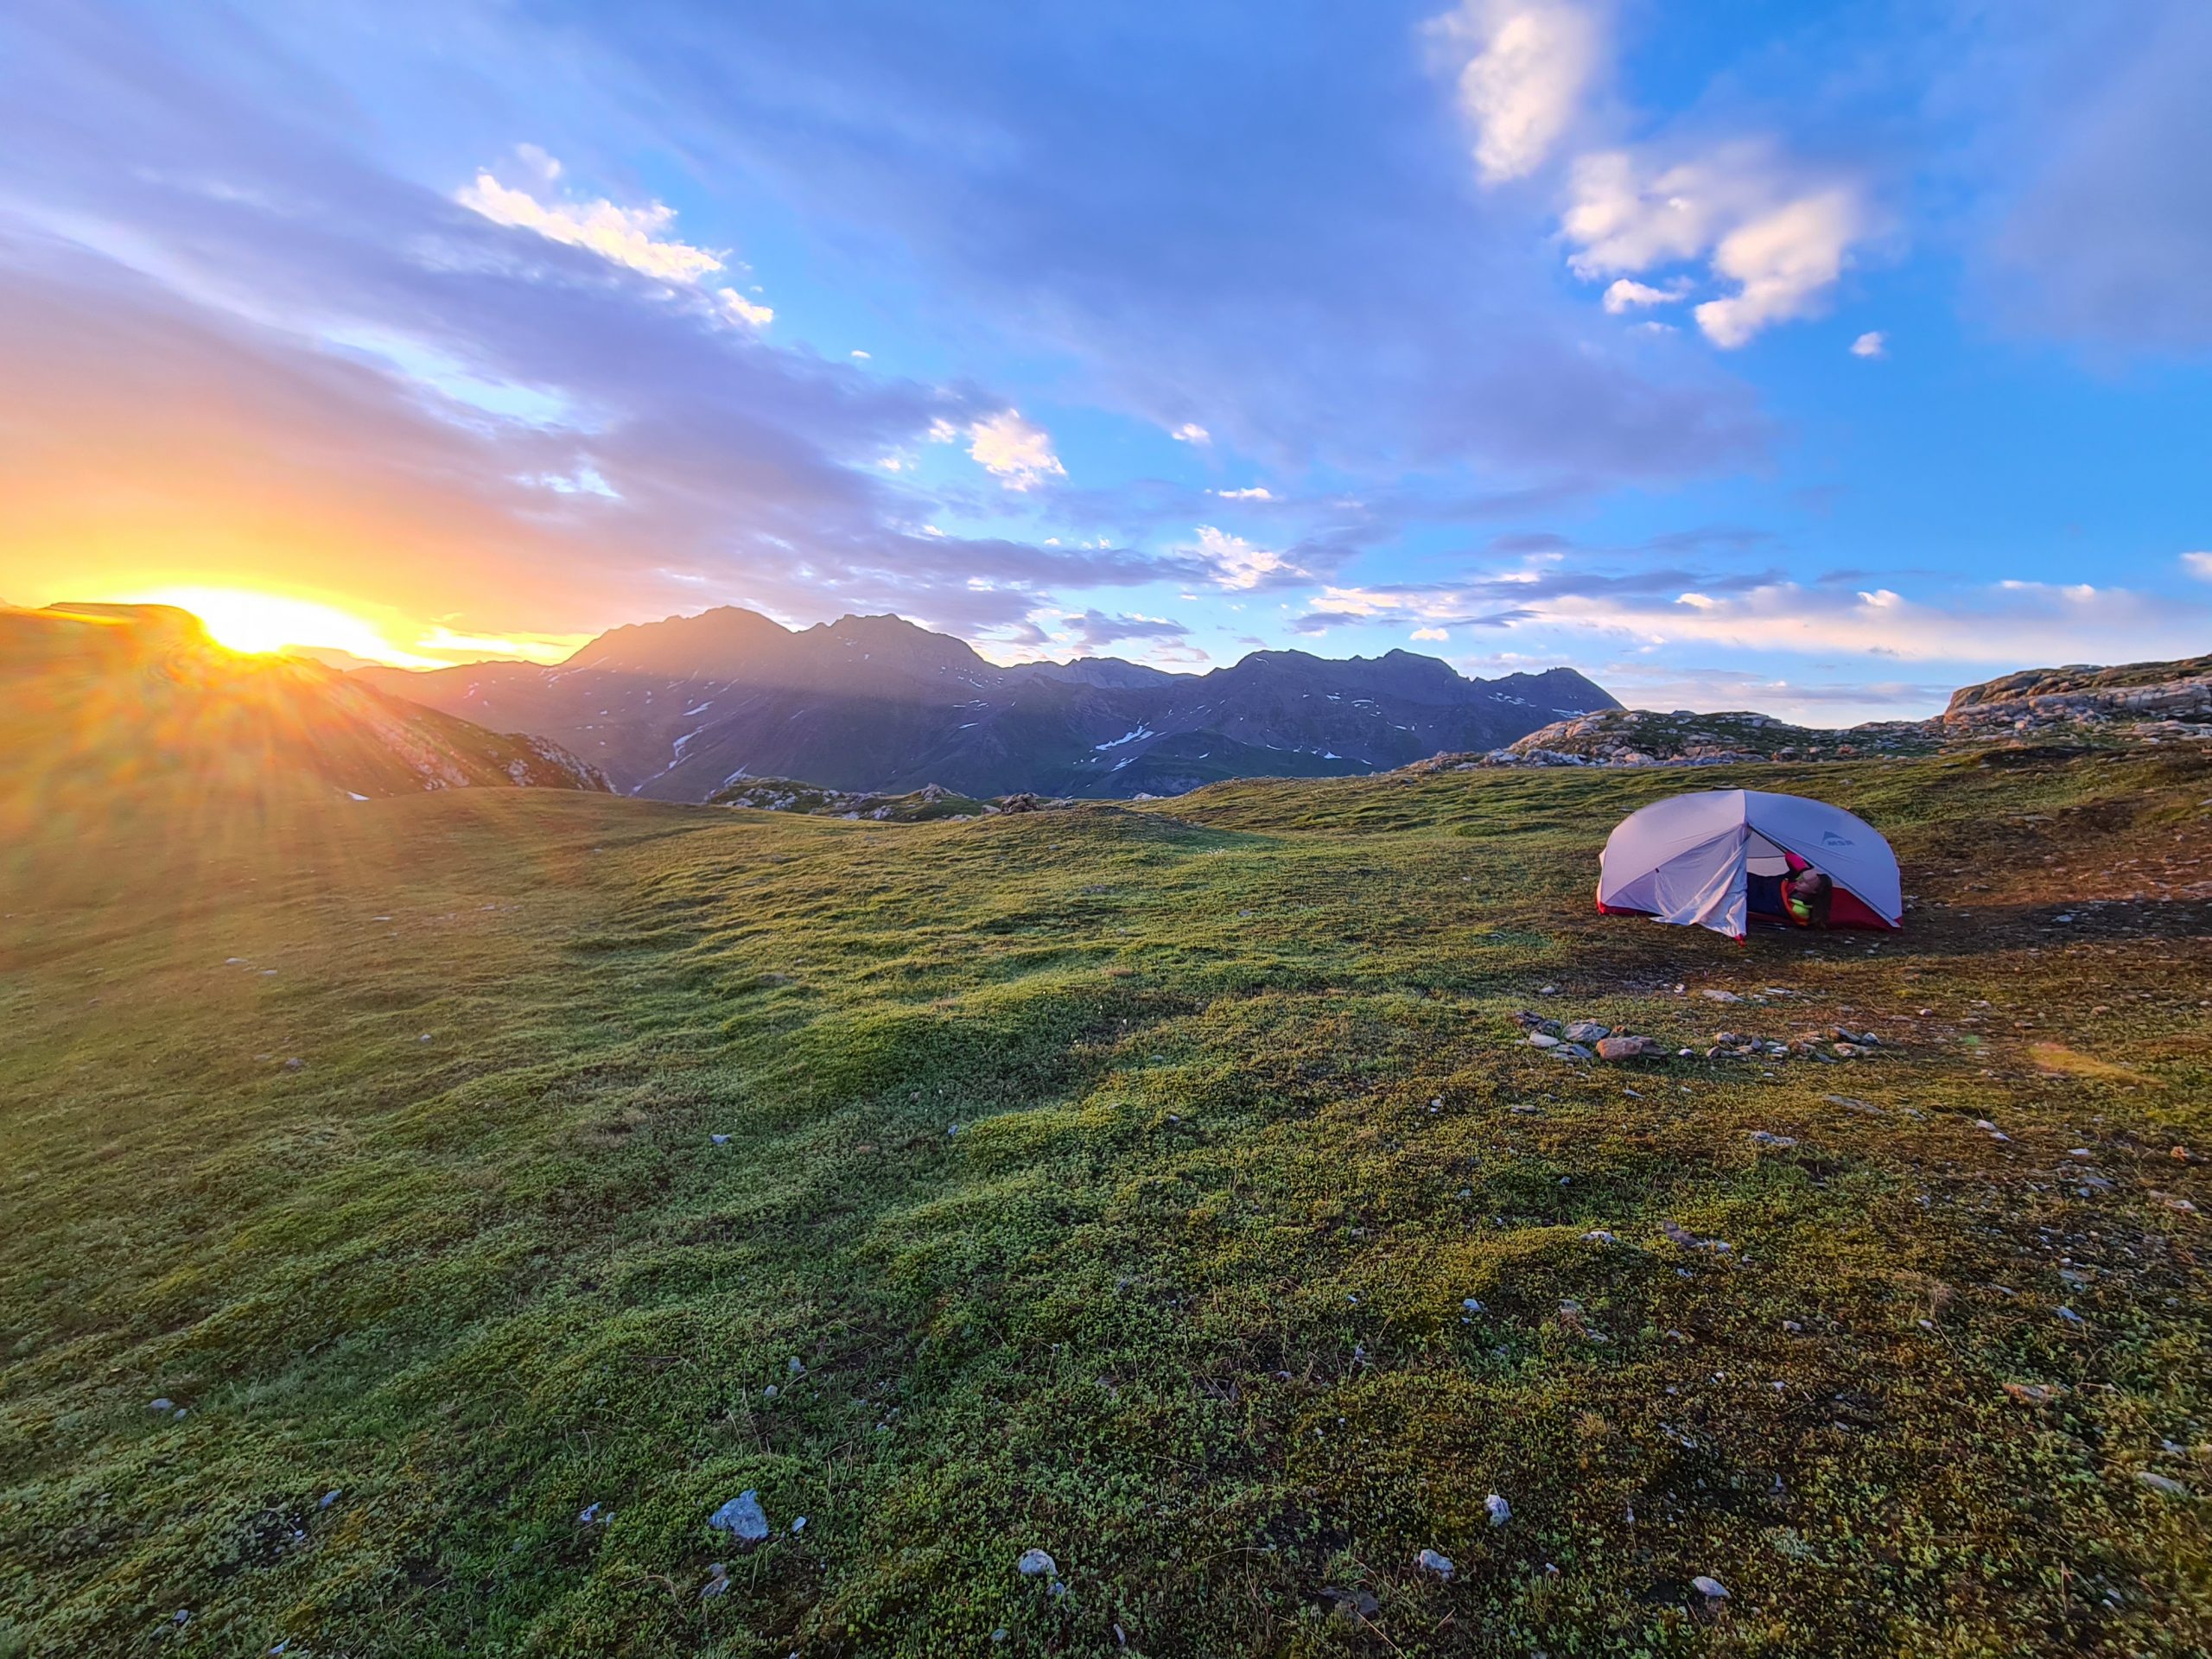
x,y
1809,358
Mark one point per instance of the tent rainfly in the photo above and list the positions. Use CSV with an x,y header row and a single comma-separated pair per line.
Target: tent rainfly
x,y
1687,859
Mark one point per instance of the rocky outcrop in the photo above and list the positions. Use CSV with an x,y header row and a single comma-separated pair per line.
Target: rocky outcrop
x,y
2140,702
914,806
2140,699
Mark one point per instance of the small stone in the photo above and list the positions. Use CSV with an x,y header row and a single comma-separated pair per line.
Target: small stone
x,y
1712,1589
1599,1236
741,1517
2159,1482
1761,1138
1471,1305
1630,1048
295,1064
1429,1562
163,1405
1710,995
1542,1039
330,1498
798,1523
1500,1511
2033,1393
717,1581
593,1515
2069,1316
718,1140
1037,1564
1586,1031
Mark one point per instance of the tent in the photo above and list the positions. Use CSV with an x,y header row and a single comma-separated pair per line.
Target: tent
x,y
1686,860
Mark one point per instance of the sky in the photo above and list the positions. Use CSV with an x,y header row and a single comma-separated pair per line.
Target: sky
x,y
1809,358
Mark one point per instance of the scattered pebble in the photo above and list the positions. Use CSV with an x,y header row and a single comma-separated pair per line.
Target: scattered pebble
x,y
162,1405
1719,996
717,1581
1037,1564
1500,1511
742,1516
1429,1562
2159,1482
595,1515
1712,1589
331,1498
718,1140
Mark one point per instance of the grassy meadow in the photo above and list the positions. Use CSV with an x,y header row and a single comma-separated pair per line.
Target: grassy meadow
x,y
1110,1181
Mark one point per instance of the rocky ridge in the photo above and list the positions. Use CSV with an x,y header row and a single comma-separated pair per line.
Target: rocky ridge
x,y
2138,703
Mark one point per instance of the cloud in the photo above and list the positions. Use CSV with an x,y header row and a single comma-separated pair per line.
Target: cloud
x,y
1435,634
1782,238
1092,630
1017,454
1784,263
1192,432
1527,66
1238,563
1873,343
1626,294
1254,492
631,237
2198,565
858,355
2101,231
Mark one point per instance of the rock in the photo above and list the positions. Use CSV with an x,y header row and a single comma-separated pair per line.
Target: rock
x,y
595,1515
2069,1316
741,1517
1586,1031
1572,1051
1761,1138
798,1523
1529,1021
295,1064
1865,1108
330,1498
1711,1588
1631,1048
1351,1604
718,1140
1711,995
1037,1564
717,1581
2159,1482
2034,1394
1599,1236
1500,1511
1471,1305
1429,1562
1542,1039
163,1405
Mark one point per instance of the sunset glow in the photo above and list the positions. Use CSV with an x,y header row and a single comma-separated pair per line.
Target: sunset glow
x,y
248,620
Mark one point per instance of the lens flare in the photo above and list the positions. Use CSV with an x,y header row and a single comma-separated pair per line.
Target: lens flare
x,y
247,621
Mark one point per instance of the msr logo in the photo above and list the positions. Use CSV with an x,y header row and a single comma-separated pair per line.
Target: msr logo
x,y
1829,838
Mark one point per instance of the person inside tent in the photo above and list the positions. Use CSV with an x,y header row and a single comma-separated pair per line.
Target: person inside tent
x,y
1789,891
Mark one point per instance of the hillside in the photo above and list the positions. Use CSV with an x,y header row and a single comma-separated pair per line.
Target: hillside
x,y
2134,702
108,710
423,1222
677,709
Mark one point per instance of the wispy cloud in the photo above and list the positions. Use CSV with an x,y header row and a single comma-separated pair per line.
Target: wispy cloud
x,y
1013,451
638,238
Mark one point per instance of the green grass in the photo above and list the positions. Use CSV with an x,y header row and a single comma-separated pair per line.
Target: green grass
x,y
1181,1300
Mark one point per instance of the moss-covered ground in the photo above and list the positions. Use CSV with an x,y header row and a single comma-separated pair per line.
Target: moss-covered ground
x,y
1110,1181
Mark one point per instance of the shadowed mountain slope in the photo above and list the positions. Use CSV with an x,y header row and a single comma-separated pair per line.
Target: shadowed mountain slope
x,y
678,709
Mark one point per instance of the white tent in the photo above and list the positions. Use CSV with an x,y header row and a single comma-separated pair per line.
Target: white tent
x,y
1685,860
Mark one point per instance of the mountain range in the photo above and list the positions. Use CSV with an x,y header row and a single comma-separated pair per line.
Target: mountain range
x,y
681,709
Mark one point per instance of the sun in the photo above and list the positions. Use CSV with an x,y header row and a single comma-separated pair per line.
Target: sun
x,y
246,620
